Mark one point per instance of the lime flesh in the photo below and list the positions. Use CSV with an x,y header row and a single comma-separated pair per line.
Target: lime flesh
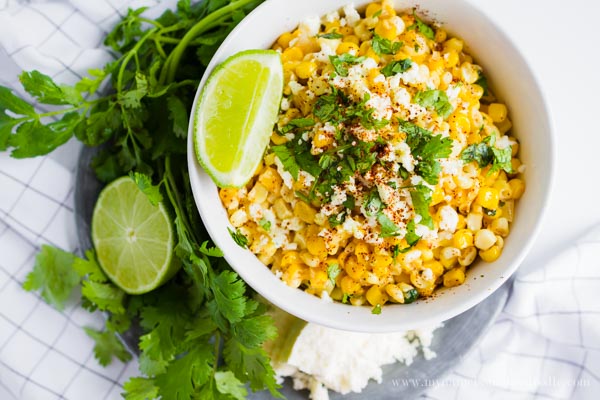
x,y
133,238
235,115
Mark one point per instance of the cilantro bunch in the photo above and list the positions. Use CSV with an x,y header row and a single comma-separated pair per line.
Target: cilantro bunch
x,y
202,332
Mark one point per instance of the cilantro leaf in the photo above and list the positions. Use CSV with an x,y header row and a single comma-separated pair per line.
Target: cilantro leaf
x,y
421,198
331,35
211,252
254,331
144,183
32,138
9,101
239,238
288,160
482,81
385,46
485,153
228,384
104,296
298,123
396,67
179,115
265,224
43,88
373,204
410,296
388,227
422,27
411,237
229,301
376,310
89,267
502,160
53,275
107,346
333,270
436,99
328,108
140,389
340,62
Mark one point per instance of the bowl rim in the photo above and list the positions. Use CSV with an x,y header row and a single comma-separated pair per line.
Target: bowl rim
x,y
236,256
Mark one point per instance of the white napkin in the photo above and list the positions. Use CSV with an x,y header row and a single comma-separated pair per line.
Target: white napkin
x,y
546,343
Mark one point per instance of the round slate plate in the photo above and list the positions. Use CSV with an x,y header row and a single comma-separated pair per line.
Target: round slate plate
x,y
459,334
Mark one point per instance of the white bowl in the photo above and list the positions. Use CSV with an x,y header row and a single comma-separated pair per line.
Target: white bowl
x,y
512,81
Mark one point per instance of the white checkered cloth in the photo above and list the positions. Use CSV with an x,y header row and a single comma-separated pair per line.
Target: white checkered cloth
x,y
546,343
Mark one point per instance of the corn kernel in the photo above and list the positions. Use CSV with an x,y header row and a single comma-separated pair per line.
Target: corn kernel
x,y
284,40
282,209
484,239
310,259
497,112
467,256
454,277
395,293
517,187
305,212
372,9
488,197
504,189
500,226
354,269
352,39
440,35
350,286
469,73
292,54
463,239
376,296
448,256
238,218
386,29
270,179
454,44
316,246
347,47
258,194
491,254
306,69
451,59
435,266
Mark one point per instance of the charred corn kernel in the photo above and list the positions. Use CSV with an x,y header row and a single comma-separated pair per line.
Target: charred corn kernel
x,y
238,218
504,189
347,47
469,73
449,256
305,69
310,259
484,239
292,54
282,209
292,275
305,212
467,256
316,246
497,112
488,197
463,239
350,286
355,269
500,227
289,257
375,295
386,29
440,35
517,187
270,179
454,44
372,9
508,210
229,197
318,278
454,277
284,39
396,294
352,39
258,194
491,254
451,59
278,139
435,266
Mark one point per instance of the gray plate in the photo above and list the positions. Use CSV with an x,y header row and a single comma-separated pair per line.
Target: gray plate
x,y
459,334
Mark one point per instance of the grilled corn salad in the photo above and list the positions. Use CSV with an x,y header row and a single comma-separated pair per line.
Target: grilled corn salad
x,y
391,169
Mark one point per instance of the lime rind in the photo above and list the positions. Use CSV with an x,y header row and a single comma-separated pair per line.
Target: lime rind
x,y
250,152
142,265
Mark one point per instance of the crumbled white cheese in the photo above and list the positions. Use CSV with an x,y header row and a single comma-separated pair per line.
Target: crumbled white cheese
x,y
339,196
331,17
351,15
428,274
288,180
381,105
311,26
504,141
448,218
285,104
353,227
295,87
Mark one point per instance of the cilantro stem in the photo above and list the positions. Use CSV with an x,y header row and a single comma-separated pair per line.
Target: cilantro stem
x,y
175,198
205,24
130,54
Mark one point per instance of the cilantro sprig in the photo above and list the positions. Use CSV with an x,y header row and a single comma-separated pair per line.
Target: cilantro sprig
x,y
340,63
436,100
485,153
385,46
396,67
201,332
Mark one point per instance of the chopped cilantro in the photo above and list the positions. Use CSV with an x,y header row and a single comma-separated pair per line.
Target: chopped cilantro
x,y
395,252
331,35
345,298
337,219
373,204
333,270
485,153
410,296
421,198
286,156
265,224
298,123
385,46
349,203
340,62
377,14
376,310
436,99
422,27
482,81
388,227
239,238
396,67
392,184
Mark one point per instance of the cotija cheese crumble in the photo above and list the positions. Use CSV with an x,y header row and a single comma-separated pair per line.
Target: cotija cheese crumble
x,y
391,168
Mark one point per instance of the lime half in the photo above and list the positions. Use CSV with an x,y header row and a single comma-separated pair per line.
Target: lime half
x,y
235,115
133,238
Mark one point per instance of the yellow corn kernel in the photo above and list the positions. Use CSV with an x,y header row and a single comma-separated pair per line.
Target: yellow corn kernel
x,y
282,209
460,124
427,255
423,281
504,189
284,40
474,138
517,187
271,180
238,218
449,256
350,286
484,239
318,278
293,275
354,268
372,9
352,39
435,266
292,54
362,251
454,44
463,239
462,222
229,198
508,210
258,194
395,293
454,277
332,25
437,196
376,296
436,64
489,179
387,9
316,246
497,112
467,256
278,139
306,69
289,257
440,35
515,163
451,59
514,147
322,140
364,48
305,212
309,259
371,54
469,73
488,197
347,47
500,227
491,254
386,29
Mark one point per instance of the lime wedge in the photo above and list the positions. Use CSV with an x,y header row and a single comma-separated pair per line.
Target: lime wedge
x,y
133,238
235,115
